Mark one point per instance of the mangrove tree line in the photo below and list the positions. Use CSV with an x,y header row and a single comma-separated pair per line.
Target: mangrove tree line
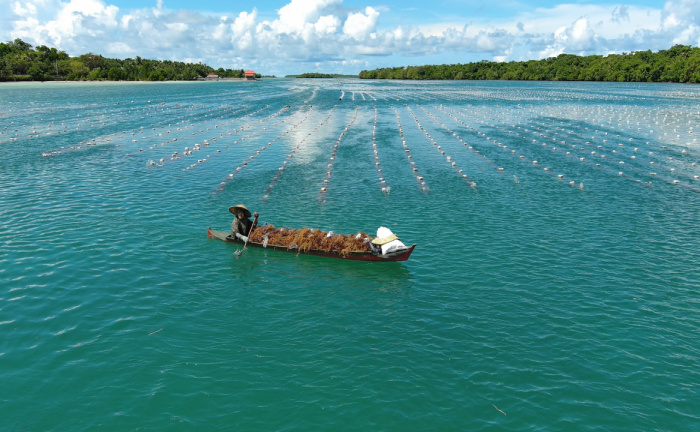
x,y
19,61
679,64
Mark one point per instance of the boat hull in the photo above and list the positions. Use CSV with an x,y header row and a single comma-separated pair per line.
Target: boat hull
x,y
401,255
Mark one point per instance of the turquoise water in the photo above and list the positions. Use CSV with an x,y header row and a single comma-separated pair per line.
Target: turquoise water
x,y
532,302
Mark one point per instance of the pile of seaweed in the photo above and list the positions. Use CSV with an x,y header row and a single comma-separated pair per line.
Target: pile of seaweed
x,y
305,239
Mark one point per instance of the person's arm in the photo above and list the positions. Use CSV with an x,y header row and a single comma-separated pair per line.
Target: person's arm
x,y
234,226
250,231
255,222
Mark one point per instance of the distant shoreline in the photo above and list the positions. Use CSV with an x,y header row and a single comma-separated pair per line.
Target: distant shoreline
x,y
675,65
127,82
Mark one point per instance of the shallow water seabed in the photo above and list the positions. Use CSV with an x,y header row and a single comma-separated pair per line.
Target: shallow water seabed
x,y
561,291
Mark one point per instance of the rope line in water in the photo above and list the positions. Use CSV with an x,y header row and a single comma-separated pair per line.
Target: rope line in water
x,y
187,151
516,153
324,189
245,163
599,152
382,183
201,131
438,148
448,158
290,156
101,140
626,158
459,138
259,131
92,118
421,181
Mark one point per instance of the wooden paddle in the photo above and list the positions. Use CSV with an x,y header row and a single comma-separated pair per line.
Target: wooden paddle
x,y
255,222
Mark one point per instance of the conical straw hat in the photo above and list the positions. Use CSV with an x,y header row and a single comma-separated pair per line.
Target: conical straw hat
x,y
240,207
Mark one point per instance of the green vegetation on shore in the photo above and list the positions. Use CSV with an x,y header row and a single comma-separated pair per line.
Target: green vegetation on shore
x,y
20,62
679,64
320,75
314,75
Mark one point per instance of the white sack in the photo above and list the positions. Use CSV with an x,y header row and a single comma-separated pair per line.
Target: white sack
x,y
393,245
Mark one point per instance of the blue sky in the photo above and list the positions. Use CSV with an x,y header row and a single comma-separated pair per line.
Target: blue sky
x,y
346,36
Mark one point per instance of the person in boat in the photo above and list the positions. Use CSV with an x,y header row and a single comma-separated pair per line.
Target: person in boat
x,y
242,226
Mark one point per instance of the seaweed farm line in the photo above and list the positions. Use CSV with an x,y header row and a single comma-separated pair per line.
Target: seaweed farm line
x,y
553,284
618,139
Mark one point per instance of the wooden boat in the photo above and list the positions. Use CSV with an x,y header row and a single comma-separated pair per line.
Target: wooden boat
x,y
401,255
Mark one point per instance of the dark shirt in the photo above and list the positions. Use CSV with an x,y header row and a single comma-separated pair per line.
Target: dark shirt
x,y
241,226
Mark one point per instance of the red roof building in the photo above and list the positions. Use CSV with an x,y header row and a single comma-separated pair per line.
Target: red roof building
x,y
250,75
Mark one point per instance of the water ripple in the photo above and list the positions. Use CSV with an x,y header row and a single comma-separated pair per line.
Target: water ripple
x,y
528,305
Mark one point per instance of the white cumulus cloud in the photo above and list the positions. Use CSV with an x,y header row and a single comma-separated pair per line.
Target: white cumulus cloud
x,y
327,24
294,16
360,25
54,22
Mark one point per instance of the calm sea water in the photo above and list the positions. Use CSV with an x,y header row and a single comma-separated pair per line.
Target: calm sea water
x,y
558,293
